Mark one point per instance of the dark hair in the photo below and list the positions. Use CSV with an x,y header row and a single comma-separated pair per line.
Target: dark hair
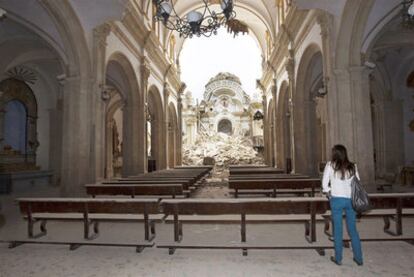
x,y
340,161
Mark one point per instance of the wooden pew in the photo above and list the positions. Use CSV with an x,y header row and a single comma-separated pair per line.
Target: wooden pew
x,y
186,184
392,207
172,190
85,210
268,176
248,171
274,185
308,206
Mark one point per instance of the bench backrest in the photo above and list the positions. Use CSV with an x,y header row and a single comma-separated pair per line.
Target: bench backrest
x,y
268,176
304,205
120,189
275,183
87,205
391,200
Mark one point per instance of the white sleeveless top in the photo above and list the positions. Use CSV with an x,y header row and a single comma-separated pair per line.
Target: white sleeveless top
x,y
338,187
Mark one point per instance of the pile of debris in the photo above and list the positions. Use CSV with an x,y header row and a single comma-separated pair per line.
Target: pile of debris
x,y
226,150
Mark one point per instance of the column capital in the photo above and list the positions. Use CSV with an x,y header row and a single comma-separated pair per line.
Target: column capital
x,y
101,32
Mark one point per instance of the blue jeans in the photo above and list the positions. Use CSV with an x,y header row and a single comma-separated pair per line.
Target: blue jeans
x,y
338,205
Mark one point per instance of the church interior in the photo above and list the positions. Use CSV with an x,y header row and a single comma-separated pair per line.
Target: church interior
x,y
104,148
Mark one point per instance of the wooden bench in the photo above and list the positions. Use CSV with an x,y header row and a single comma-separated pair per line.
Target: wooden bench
x,y
310,207
249,171
172,190
268,176
392,207
84,209
186,184
292,185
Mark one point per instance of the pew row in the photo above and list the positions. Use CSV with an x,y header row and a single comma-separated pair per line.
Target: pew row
x,y
309,207
91,212
172,190
289,185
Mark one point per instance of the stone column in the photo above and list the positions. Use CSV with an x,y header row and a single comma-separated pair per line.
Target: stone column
x,y
76,134
325,21
55,136
167,147
274,122
180,124
353,110
290,68
99,105
143,115
266,130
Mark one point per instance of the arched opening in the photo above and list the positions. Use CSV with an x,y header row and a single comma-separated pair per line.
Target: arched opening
x,y
391,96
309,113
15,126
225,126
18,128
155,151
123,116
283,146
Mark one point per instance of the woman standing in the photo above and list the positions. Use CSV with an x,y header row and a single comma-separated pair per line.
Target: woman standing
x,y
339,173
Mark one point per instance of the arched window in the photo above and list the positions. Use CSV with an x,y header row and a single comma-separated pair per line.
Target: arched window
x,y
225,126
15,126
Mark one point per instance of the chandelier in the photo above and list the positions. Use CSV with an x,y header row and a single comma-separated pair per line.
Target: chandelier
x,y
195,23
408,13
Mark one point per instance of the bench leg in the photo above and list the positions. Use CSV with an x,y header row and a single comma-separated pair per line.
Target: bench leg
x,y
149,228
74,246
178,229
327,222
243,232
14,244
171,251
236,193
397,218
30,225
320,251
86,229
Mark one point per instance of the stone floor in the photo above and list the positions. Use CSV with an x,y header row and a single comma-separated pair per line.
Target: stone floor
x,y
381,258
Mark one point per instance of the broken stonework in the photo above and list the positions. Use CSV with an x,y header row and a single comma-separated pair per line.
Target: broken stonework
x,y
226,150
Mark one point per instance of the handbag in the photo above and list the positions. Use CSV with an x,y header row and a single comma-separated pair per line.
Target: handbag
x,y
359,197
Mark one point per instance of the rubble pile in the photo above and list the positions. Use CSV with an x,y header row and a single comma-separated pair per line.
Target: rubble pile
x,y
226,150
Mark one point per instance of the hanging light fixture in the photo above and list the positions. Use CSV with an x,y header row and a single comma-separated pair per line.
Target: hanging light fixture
x,y
408,13
195,23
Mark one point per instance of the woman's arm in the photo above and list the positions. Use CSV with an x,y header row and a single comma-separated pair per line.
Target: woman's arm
x,y
356,172
325,178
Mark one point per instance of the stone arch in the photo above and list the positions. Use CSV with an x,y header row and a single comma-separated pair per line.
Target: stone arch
x,y
173,134
351,31
155,129
283,134
13,90
309,130
121,79
114,143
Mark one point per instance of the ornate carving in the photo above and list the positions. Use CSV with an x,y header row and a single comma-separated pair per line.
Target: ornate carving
x,y
23,74
324,21
145,70
290,68
236,26
101,32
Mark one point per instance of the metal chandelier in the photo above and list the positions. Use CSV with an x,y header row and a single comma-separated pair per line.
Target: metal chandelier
x,y
195,23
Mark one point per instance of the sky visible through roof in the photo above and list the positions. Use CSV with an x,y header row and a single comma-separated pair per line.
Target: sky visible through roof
x,y
203,58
